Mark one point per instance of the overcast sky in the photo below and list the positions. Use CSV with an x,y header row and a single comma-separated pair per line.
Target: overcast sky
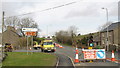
x,y
87,15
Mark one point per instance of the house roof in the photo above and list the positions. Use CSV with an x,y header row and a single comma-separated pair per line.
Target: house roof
x,y
12,29
111,27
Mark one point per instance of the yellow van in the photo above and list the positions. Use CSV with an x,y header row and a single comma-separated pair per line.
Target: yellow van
x,y
47,45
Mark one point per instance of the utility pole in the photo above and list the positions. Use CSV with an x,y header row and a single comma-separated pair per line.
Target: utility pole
x,y
3,14
3,21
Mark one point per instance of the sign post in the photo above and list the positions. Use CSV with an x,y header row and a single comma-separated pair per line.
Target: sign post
x,y
30,32
27,45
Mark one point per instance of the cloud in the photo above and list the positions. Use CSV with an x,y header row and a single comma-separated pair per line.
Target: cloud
x,y
81,13
93,9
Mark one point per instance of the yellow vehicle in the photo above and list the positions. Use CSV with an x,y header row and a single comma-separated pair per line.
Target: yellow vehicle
x,y
8,47
47,45
36,45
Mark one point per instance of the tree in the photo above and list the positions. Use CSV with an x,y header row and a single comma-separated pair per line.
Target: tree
x,y
27,23
63,37
12,21
72,31
67,37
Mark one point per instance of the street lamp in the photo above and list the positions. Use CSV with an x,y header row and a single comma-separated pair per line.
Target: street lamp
x,y
107,28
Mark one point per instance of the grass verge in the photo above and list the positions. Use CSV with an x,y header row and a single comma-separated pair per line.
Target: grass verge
x,y
35,59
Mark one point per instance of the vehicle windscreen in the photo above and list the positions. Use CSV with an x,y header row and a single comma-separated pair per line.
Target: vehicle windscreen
x,y
47,43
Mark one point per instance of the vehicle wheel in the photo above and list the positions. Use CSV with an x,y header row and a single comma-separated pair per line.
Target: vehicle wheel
x,y
37,48
53,51
41,50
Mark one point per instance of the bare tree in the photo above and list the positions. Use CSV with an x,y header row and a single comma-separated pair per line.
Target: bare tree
x,y
72,31
67,36
12,21
27,22
21,23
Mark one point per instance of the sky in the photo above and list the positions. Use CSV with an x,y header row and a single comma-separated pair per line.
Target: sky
x,y
86,15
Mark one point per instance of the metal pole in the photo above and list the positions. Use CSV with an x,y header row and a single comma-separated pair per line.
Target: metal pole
x,y
31,43
107,30
107,39
27,45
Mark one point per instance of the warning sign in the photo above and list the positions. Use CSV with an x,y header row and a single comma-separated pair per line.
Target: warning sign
x,y
94,54
89,54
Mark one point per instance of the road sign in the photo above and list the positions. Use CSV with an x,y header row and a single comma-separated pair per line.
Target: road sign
x,y
100,54
89,54
94,54
30,33
29,29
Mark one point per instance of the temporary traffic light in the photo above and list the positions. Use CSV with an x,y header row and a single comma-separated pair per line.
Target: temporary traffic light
x,y
91,44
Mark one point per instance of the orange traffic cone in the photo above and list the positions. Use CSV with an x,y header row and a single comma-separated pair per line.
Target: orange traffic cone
x,y
82,49
113,56
30,48
76,56
61,46
76,49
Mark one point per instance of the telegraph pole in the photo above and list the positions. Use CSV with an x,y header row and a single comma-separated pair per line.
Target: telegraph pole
x,y
3,14
3,21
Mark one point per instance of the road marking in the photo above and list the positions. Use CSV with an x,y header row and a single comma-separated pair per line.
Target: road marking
x,y
71,60
57,61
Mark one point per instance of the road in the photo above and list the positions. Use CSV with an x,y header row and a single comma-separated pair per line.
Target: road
x,y
67,54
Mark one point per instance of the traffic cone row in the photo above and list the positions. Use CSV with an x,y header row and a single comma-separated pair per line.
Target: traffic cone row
x,y
58,45
76,56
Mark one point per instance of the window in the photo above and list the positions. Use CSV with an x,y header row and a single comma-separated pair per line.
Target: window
x,y
47,43
103,35
103,42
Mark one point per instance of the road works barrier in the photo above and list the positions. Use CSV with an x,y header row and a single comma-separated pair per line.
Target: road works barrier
x,y
98,54
76,56
90,54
